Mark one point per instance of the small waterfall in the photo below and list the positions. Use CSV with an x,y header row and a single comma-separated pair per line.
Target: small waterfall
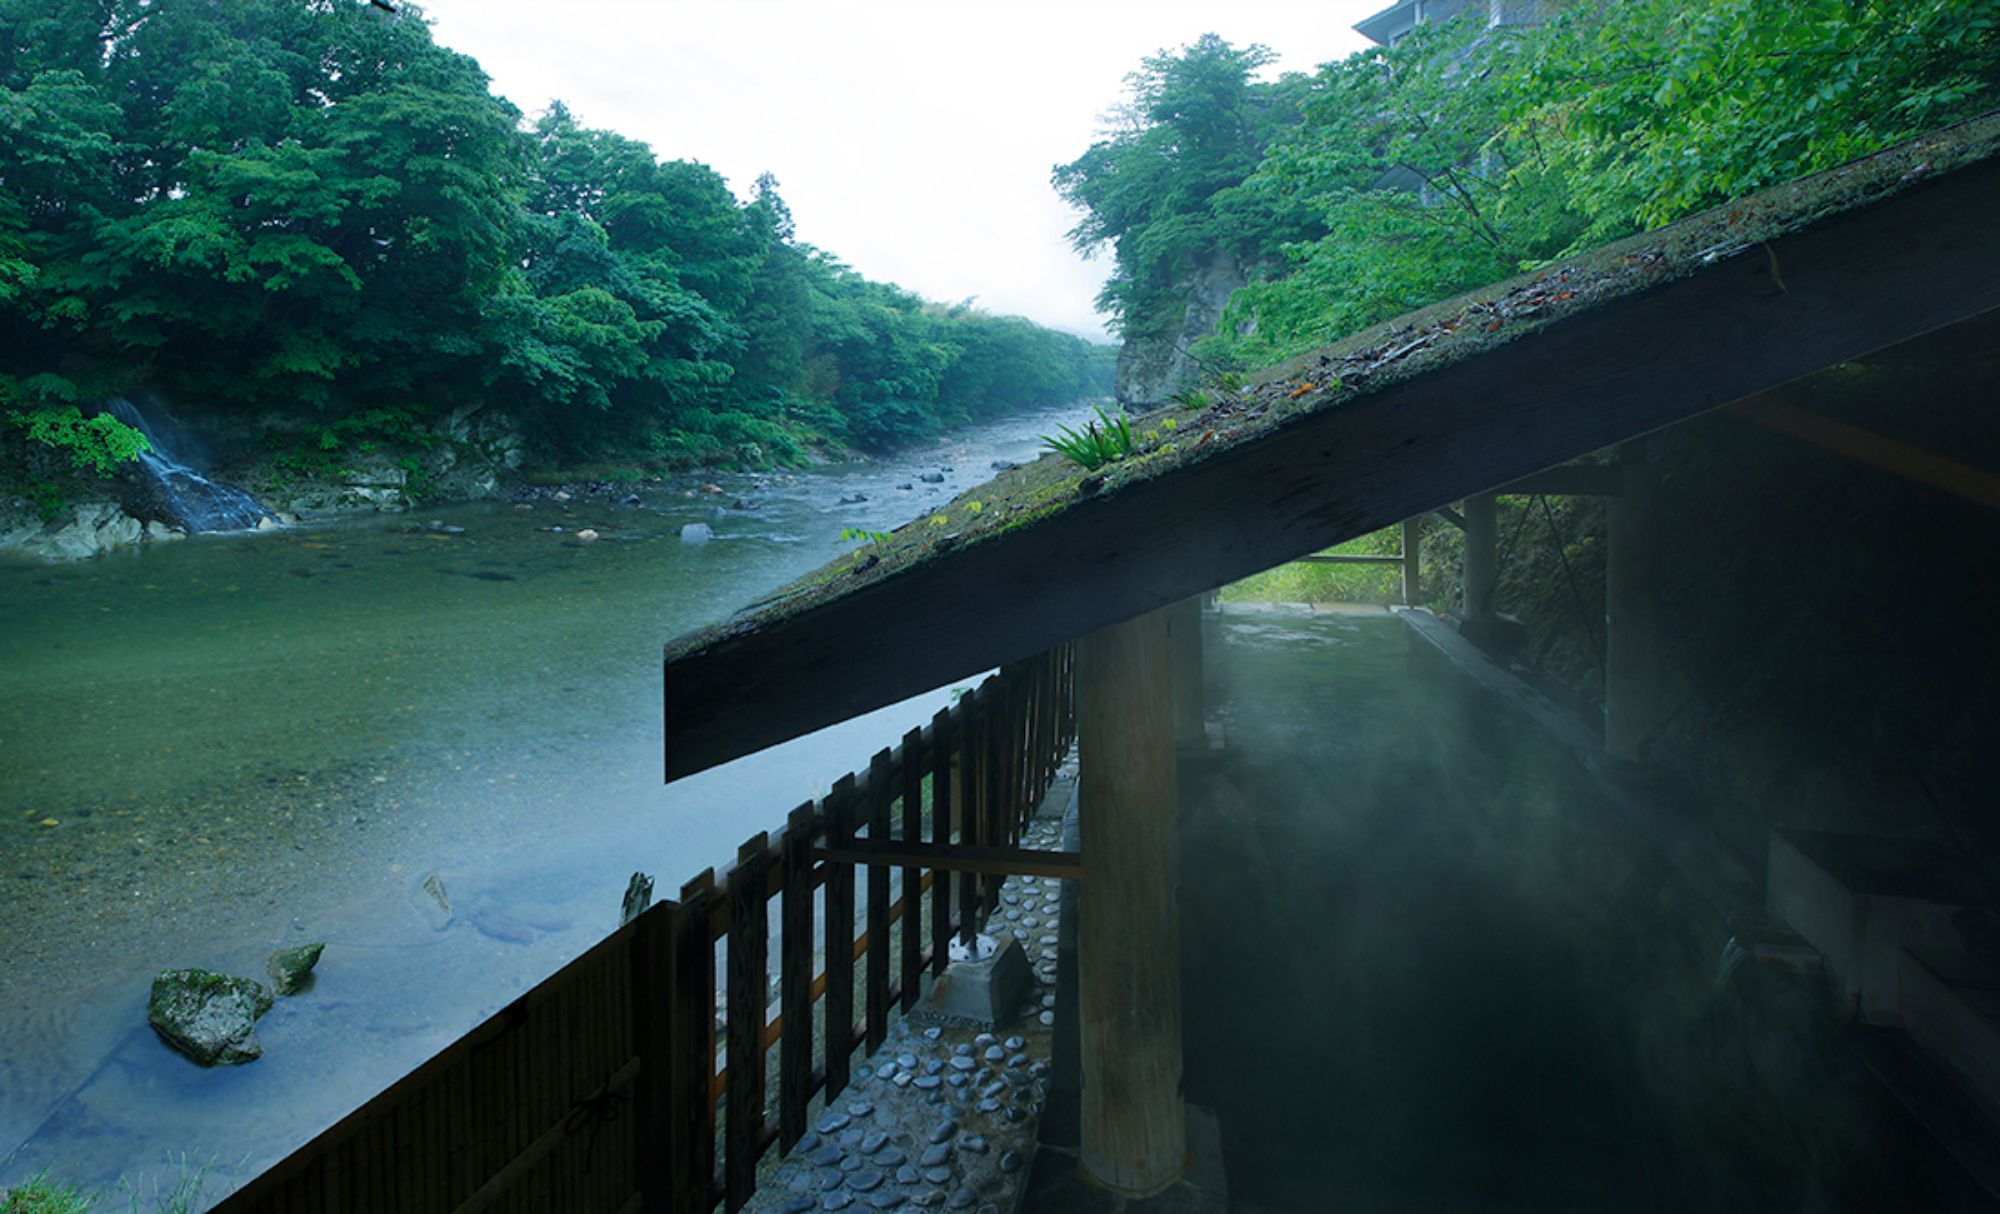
x,y
186,496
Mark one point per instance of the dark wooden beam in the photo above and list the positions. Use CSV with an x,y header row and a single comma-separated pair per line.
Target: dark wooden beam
x,y
1852,283
1867,447
1570,480
957,858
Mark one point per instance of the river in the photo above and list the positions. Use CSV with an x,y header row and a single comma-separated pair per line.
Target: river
x,y
219,747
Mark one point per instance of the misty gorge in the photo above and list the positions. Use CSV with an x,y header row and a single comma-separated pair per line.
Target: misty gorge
x,y
1270,608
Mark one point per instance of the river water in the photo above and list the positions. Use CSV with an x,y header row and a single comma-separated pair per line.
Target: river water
x,y
214,748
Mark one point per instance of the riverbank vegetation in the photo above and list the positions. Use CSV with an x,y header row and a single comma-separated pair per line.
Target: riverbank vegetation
x,y
1466,153
1307,582
313,210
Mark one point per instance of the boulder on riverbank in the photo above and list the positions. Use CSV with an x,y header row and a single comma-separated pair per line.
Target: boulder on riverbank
x,y
291,968
210,1017
88,529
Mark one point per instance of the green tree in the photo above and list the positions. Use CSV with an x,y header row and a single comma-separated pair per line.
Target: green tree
x,y
1165,187
308,205
1521,146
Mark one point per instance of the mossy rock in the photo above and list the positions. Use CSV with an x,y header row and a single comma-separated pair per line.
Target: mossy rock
x,y
210,1017
291,968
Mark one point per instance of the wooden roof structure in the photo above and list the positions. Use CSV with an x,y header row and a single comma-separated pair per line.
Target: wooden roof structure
x,y
1397,420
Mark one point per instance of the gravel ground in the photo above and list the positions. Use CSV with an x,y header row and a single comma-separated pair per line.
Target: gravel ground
x,y
945,1114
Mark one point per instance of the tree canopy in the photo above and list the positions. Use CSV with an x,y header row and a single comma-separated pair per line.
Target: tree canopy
x,y
1167,185
1464,154
309,205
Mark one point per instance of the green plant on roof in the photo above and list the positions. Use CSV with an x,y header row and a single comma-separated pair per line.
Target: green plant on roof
x,y
37,1195
866,537
1099,442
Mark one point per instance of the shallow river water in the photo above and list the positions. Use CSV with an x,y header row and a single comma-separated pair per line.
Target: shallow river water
x,y
215,748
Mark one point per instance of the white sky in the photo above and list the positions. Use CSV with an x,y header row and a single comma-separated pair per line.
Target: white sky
x,y
913,140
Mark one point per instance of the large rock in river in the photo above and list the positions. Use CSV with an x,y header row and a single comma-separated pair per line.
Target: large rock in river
x,y
210,1017
291,968
97,527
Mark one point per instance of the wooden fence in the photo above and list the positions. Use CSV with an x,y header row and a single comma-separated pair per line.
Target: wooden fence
x,y
599,1090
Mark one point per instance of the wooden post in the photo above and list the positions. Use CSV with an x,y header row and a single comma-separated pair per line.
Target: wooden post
x,y
749,993
1184,634
1632,666
877,997
691,1146
1413,555
839,807
943,805
1481,569
911,880
795,978
653,963
972,737
993,767
1134,1119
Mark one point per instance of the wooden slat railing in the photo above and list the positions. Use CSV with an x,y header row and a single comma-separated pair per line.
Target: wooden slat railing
x,y
598,1091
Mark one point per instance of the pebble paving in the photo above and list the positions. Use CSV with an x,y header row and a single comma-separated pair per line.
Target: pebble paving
x,y
944,1116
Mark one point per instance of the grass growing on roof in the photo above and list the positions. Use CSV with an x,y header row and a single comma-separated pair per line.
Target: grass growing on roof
x,y
1100,442
37,1195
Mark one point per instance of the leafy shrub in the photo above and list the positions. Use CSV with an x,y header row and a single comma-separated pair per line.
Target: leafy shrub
x,y
324,449
1099,442
91,444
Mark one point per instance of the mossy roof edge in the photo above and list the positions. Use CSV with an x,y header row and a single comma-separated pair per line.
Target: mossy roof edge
x,y
1031,500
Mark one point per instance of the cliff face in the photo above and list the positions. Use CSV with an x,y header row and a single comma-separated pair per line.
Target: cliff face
x,y
1151,370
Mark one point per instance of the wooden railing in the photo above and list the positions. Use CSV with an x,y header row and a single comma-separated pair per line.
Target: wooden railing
x,y
599,1090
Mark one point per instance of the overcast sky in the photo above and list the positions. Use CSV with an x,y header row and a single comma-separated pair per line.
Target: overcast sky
x,y
912,138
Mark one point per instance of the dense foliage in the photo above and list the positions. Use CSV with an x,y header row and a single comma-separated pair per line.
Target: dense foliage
x,y
1165,189
1465,154
309,205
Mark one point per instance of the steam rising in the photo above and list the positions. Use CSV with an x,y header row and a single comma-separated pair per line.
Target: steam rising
x,y
1428,967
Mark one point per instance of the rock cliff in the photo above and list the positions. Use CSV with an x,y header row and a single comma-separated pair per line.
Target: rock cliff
x,y
1151,370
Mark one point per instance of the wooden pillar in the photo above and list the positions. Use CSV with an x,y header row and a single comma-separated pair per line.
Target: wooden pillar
x,y
1481,566
1128,941
1632,666
1413,555
1184,635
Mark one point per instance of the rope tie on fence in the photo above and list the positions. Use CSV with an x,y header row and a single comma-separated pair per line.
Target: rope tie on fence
x,y
593,1113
